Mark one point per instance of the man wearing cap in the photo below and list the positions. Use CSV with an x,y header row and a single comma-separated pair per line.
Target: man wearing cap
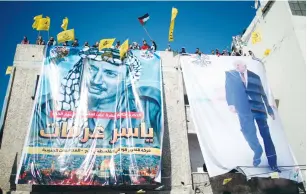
x,y
100,81
246,97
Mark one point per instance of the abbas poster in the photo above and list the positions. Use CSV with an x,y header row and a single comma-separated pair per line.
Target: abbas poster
x,y
97,120
235,117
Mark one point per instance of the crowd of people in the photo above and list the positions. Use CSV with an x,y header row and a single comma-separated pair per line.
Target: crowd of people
x,y
75,43
136,46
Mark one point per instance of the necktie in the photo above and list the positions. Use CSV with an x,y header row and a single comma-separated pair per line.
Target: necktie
x,y
243,79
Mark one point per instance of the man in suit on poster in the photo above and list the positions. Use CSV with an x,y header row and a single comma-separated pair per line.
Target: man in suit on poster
x,y
246,97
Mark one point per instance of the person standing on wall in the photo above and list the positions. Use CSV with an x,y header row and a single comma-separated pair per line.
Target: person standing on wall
x,y
246,97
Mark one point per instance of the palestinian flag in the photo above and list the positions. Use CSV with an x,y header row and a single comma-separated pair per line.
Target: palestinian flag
x,y
144,19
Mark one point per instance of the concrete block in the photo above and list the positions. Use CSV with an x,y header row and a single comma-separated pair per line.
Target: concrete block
x,y
29,53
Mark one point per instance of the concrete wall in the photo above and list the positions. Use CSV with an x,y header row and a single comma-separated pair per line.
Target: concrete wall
x,y
285,35
197,159
175,157
27,66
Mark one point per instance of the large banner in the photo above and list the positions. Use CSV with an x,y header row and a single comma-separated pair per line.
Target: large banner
x,y
235,117
97,120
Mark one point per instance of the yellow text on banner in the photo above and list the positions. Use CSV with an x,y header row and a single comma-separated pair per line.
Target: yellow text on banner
x,y
67,35
96,151
106,43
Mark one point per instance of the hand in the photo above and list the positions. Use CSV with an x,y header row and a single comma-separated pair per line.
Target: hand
x,y
232,108
273,116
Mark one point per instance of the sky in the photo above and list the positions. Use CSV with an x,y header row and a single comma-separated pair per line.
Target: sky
x,y
205,25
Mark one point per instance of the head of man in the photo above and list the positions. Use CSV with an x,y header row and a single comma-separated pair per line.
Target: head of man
x,y
107,76
240,66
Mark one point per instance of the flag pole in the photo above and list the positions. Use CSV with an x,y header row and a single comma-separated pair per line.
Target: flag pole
x,y
147,32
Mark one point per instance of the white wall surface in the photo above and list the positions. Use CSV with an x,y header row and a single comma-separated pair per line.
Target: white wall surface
x,y
299,24
285,35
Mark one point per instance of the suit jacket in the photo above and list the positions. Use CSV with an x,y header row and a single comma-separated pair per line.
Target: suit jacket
x,y
250,99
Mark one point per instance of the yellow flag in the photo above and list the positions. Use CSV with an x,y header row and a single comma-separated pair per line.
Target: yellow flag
x,y
106,43
44,24
225,181
36,19
65,23
124,48
171,31
9,70
171,27
67,35
267,52
274,175
256,37
174,13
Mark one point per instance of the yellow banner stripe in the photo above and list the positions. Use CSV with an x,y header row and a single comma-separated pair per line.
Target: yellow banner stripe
x,y
96,151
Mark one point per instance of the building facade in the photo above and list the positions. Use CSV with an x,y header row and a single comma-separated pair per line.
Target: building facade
x,y
182,160
282,28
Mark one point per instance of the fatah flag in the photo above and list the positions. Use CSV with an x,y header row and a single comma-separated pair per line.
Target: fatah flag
x,y
65,24
144,19
106,43
9,70
124,48
67,35
36,19
43,24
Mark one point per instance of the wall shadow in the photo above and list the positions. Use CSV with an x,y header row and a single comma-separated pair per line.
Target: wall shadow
x,y
166,170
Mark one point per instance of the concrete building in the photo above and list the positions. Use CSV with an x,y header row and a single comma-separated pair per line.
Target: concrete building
x,y
182,160
282,26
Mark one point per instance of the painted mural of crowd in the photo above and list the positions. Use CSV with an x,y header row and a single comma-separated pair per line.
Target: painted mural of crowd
x,y
101,172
